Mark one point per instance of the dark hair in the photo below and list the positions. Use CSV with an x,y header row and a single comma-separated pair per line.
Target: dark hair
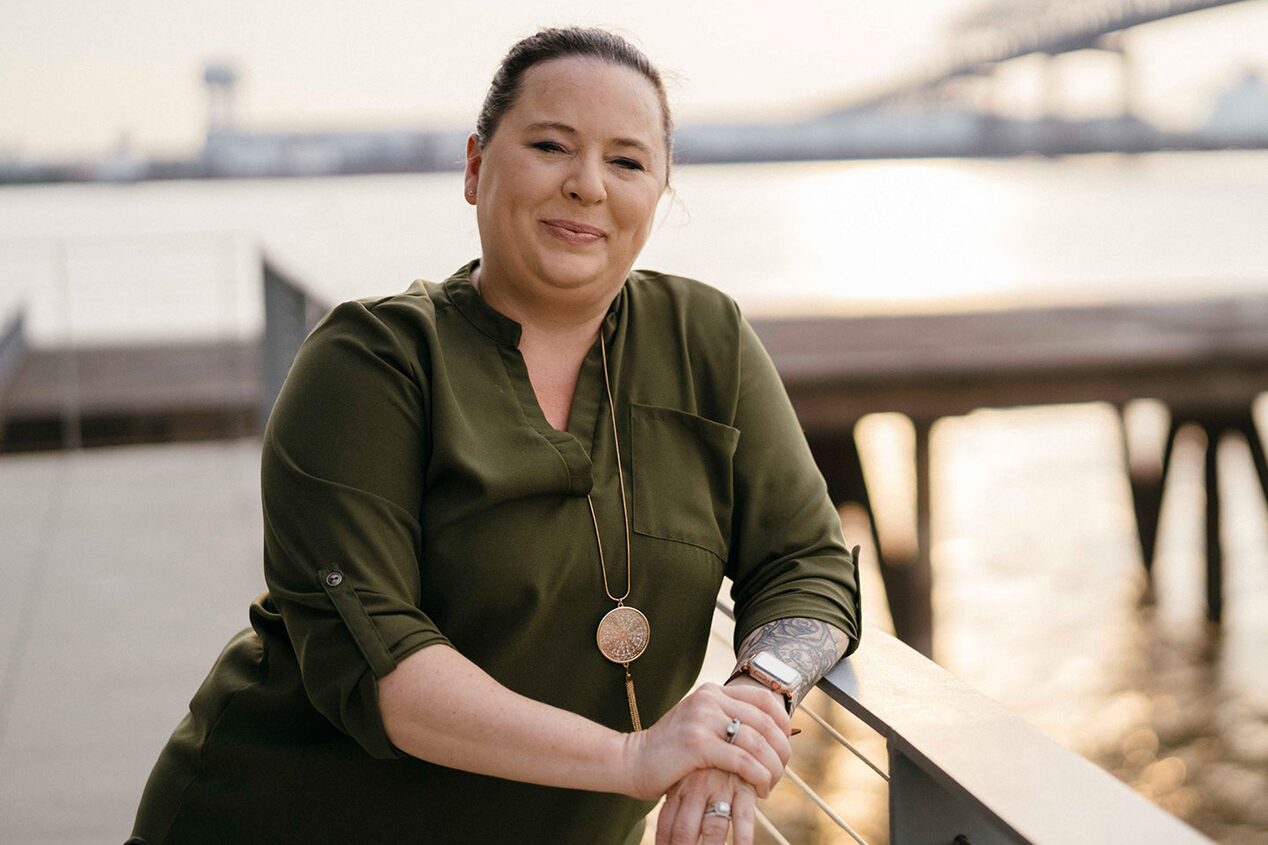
x,y
549,44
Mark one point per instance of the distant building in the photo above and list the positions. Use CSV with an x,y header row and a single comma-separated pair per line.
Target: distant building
x,y
221,79
123,164
296,153
903,128
231,151
1240,113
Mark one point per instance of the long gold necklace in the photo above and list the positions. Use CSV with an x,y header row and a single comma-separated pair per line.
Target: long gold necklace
x,y
624,631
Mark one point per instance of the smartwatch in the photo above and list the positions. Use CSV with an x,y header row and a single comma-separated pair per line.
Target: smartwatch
x,y
770,671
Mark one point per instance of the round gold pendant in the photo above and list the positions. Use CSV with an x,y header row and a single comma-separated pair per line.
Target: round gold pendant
x,y
623,634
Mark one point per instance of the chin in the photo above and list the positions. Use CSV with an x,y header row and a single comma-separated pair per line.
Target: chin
x,y
577,272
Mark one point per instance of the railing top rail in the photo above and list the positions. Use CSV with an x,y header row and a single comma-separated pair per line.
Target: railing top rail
x,y
12,342
990,757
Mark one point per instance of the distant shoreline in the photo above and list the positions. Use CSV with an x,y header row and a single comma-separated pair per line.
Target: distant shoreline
x,y
296,155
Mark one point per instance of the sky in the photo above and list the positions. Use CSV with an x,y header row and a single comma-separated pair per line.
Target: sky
x,y
76,76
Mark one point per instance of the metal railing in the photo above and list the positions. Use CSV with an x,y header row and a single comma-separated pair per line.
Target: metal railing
x,y
12,346
290,313
962,769
182,290
93,304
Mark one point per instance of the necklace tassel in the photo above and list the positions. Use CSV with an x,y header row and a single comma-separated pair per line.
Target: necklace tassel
x,y
629,693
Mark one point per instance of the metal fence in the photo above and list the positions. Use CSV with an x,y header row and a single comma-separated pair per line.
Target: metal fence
x,y
962,770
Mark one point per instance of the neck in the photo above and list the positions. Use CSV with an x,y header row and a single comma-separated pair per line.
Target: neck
x,y
568,317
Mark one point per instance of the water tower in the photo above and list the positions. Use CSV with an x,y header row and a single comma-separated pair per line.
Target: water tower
x,y
220,78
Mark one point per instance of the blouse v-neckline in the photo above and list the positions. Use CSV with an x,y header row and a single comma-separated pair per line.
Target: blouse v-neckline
x,y
575,444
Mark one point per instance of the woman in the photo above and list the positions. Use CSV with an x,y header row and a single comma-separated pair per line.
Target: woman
x,y
469,486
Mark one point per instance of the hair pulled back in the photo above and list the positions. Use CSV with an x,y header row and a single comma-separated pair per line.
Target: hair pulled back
x,y
567,42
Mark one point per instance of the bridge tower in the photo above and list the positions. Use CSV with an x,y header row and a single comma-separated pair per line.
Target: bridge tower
x,y
221,79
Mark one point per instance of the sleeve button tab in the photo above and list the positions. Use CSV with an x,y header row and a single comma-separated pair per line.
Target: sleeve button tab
x,y
334,579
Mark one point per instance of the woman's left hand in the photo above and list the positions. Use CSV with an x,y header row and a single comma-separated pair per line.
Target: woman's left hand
x,y
682,820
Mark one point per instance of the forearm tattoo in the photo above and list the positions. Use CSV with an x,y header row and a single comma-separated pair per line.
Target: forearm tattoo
x,y
808,645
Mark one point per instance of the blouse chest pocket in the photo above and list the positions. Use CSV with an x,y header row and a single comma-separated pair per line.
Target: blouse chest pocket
x,y
682,477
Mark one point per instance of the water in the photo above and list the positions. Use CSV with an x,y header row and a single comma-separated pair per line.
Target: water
x,y
1041,603
178,258
1040,599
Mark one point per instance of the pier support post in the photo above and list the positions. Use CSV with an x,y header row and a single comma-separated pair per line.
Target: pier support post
x,y
837,456
1214,549
907,580
1256,443
1147,484
919,578
1215,427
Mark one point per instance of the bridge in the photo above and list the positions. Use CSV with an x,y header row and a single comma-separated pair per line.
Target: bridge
x,y
978,44
1008,29
1001,30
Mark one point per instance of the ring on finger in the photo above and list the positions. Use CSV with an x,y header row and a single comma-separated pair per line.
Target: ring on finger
x,y
732,728
718,808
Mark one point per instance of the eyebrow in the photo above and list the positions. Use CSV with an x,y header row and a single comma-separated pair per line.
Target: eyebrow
x,y
569,130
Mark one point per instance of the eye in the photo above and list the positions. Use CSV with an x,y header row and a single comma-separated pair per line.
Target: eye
x,y
628,164
549,147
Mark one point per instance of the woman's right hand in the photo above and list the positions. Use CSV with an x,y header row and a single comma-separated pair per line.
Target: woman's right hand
x,y
693,736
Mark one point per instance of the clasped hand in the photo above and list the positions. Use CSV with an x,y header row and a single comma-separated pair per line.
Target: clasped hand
x,y
686,757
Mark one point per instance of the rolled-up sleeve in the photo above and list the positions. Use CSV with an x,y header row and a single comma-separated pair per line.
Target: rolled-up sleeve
x,y
787,557
342,469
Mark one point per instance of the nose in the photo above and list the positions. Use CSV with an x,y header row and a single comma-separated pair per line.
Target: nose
x,y
584,183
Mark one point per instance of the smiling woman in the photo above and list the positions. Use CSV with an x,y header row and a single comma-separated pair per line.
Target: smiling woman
x,y
498,511
566,190
565,194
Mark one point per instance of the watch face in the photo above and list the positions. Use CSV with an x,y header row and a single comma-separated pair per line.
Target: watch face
x,y
777,669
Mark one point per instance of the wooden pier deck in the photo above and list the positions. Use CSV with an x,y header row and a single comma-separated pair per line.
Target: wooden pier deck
x,y
1206,360
1197,356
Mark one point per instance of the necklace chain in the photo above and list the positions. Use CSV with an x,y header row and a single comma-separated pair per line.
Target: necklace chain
x,y
620,474
623,632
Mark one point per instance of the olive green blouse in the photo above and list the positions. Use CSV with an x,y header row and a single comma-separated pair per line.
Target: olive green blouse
x,y
414,494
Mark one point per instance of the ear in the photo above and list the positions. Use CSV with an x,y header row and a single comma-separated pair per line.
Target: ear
x,y
471,177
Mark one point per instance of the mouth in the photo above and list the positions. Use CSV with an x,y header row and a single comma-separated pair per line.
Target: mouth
x,y
573,232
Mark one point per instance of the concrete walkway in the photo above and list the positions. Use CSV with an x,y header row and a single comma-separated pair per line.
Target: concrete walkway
x,y
125,571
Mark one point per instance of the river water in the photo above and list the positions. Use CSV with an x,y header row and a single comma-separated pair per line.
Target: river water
x,y
1040,598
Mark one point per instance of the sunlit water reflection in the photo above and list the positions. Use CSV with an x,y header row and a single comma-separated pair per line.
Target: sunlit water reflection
x,y
1041,602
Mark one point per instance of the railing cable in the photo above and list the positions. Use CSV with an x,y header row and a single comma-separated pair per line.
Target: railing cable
x,y
766,825
793,776
828,811
835,734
